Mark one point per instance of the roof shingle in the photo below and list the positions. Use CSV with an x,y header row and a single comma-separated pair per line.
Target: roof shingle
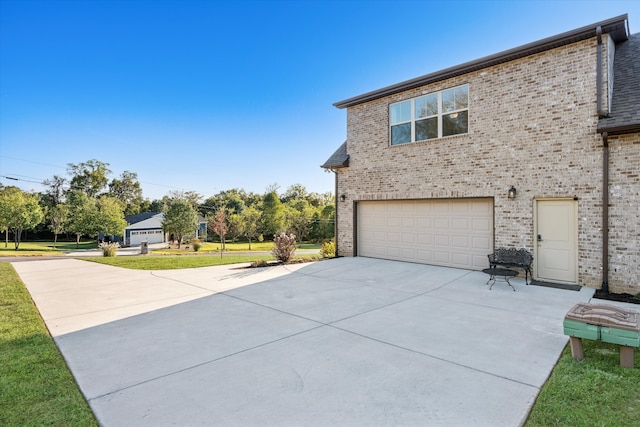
x,y
625,102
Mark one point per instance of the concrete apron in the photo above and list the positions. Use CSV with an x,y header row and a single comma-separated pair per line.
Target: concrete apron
x,y
350,341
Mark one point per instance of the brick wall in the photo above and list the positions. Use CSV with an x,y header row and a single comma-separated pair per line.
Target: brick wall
x,y
624,214
532,124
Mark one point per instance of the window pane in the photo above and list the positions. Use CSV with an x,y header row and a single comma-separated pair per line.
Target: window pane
x,y
455,123
426,129
401,134
427,106
399,113
448,101
461,97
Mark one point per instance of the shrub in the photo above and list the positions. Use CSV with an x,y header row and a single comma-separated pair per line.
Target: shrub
x,y
197,244
328,249
109,248
284,245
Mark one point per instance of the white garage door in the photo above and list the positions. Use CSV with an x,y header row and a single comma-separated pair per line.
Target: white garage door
x,y
149,236
452,232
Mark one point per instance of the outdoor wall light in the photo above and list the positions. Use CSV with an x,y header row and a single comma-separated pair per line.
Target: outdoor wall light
x,y
343,197
512,192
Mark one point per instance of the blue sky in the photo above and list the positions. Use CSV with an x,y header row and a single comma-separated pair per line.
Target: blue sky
x,y
211,95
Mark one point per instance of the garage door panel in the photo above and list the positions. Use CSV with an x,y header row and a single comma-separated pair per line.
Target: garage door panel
x,y
460,241
408,238
441,223
481,243
456,233
441,240
425,239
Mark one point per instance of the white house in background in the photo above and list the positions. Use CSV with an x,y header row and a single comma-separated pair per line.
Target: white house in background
x,y
144,227
147,227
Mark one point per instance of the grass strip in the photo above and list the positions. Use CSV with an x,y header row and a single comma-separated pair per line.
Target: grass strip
x,y
169,262
36,386
596,391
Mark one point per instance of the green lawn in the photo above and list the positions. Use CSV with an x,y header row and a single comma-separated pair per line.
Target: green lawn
x,y
40,248
594,392
36,387
175,262
213,247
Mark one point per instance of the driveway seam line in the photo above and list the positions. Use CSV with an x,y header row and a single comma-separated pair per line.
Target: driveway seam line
x,y
188,368
433,357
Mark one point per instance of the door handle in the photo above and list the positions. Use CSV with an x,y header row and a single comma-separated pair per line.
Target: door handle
x,y
539,238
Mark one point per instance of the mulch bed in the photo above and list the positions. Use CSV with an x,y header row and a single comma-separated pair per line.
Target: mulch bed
x,y
632,299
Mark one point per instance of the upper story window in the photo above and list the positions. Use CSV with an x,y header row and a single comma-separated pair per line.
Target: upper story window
x,y
434,115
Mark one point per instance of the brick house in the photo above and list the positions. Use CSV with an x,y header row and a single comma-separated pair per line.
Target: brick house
x,y
519,149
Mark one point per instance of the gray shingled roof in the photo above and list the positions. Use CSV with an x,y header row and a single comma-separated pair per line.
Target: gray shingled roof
x,y
615,27
339,159
134,219
625,103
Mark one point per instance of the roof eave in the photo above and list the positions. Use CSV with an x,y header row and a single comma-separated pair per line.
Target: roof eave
x,y
616,27
620,130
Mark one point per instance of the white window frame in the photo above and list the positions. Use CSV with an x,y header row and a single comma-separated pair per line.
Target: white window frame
x,y
440,114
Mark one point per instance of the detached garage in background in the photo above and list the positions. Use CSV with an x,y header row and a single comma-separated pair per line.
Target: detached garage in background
x,y
144,227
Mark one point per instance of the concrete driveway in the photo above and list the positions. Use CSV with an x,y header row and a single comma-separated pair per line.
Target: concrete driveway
x,y
348,342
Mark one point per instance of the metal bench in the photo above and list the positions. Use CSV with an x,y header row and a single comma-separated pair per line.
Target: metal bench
x,y
512,258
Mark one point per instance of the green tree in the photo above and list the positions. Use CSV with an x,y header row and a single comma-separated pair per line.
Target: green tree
x,y
252,224
298,219
57,216
82,215
19,211
236,226
272,215
128,191
109,216
180,219
56,188
89,176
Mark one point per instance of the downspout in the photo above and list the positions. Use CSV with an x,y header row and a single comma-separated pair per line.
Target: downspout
x,y
605,213
599,73
335,215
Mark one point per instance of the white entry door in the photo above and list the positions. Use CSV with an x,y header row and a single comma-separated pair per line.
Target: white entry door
x,y
556,229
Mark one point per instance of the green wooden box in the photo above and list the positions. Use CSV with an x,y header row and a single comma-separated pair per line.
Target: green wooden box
x,y
577,329
620,336
603,322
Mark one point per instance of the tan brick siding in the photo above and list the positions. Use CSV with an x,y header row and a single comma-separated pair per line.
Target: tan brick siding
x,y
624,214
532,124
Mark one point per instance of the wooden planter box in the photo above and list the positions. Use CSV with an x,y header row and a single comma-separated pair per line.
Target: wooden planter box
x,y
604,323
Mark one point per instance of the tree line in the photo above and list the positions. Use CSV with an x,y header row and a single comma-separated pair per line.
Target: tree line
x,y
87,203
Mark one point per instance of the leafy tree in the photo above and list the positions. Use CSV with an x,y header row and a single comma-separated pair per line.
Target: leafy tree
x,y
180,219
89,176
272,214
189,196
236,226
294,192
19,211
82,215
58,220
158,205
128,191
109,216
252,223
55,188
299,220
